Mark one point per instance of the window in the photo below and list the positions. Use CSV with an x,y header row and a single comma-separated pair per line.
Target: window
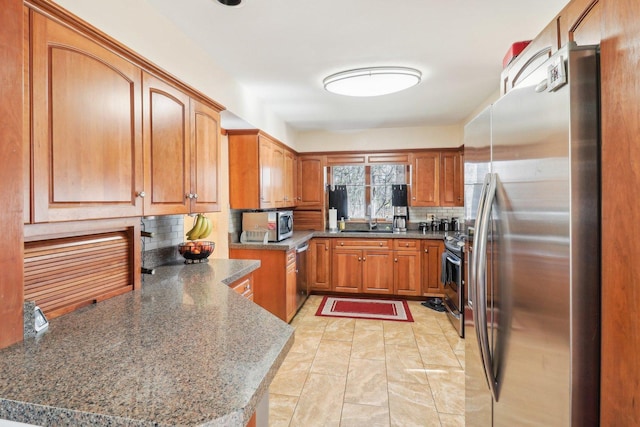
x,y
369,186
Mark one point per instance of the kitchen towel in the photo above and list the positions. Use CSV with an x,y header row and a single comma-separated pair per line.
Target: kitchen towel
x,y
338,200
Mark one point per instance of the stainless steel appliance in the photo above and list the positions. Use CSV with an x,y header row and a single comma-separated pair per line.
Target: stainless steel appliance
x,y
400,214
277,224
532,192
453,280
400,207
302,289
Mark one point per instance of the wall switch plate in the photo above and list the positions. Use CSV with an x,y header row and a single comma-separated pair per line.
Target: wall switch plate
x,y
41,322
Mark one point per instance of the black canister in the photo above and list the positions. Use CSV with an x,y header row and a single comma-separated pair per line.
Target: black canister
x,y
453,226
444,224
423,227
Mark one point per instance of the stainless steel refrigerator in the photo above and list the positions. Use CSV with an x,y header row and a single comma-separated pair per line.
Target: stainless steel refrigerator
x,y
532,201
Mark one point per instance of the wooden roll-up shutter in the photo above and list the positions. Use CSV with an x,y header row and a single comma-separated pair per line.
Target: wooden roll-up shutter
x,y
62,275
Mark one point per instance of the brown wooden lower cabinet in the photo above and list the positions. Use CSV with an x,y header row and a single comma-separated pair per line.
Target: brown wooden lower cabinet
x,y
407,276
274,283
252,421
362,265
244,286
431,268
319,263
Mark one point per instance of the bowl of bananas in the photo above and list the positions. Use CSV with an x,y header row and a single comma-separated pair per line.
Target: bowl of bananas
x,y
195,250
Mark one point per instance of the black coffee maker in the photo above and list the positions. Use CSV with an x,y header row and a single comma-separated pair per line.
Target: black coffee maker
x,y
400,209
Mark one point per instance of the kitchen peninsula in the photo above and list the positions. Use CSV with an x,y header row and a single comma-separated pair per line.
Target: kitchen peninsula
x,y
183,350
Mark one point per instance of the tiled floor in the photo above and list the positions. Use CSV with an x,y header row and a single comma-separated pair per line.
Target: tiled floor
x,y
353,373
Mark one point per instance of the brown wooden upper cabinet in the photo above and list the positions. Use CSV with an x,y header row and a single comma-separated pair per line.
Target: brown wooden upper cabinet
x,y
261,171
109,140
451,178
205,158
425,186
310,182
86,141
181,151
166,148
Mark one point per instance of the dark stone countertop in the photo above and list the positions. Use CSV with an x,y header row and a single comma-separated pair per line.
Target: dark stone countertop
x,y
184,350
299,237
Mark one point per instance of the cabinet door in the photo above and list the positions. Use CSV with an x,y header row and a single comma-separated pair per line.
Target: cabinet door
x,y
205,158
451,179
290,293
167,153
289,179
431,268
426,179
311,182
266,176
346,273
87,130
407,273
377,272
319,265
277,174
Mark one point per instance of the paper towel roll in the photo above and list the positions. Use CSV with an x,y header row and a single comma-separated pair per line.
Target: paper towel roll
x,y
333,219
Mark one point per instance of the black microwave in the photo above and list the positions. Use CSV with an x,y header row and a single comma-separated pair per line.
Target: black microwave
x,y
278,224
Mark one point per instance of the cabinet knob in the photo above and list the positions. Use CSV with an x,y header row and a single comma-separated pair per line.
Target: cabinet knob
x,y
406,244
326,248
395,260
380,243
413,198
364,258
426,251
341,243
141,194
247,287
195,195
188,196
359,259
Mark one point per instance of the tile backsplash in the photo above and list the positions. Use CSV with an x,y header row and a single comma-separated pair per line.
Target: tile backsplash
x,y
421,214
168,233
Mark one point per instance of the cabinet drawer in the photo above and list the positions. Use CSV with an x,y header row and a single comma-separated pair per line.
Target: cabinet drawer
x,y
291,257
362,243
244,287
406,244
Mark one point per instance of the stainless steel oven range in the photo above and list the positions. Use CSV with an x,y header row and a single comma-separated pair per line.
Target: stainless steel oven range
x,y
453,280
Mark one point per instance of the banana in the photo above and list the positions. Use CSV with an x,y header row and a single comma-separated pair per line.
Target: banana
x,y
197,228
207,228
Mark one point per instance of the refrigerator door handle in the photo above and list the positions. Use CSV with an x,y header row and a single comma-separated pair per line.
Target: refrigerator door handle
x,y
480,256
473,301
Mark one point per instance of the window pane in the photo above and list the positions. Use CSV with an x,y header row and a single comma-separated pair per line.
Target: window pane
x,y
382,178
353,178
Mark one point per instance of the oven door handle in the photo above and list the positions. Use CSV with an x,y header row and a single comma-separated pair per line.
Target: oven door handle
x,y
453,261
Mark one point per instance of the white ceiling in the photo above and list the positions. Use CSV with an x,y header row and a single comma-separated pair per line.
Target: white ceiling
x,y
280,51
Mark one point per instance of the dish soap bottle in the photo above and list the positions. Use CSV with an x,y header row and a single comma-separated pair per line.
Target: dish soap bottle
x,y
342,224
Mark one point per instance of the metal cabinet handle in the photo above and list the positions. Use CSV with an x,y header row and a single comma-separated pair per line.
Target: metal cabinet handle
x,y
141,194
195,195
359,259
364,258
395,260
380,243
407,245
188,196
426,251
341,243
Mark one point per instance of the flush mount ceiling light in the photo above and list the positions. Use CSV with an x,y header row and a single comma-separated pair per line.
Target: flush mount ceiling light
x,y
372,81
231,3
